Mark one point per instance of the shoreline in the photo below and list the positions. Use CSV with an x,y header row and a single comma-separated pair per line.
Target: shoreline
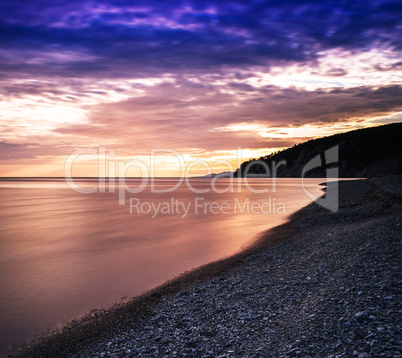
x,y
105,320
94,332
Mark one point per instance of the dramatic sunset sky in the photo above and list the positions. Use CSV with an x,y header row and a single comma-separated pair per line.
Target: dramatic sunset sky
x,y
199,77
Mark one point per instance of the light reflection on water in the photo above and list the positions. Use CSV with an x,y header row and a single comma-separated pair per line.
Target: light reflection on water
x,y
63,253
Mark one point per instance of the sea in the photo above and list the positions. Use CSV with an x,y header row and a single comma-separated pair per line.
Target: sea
x,y
67,248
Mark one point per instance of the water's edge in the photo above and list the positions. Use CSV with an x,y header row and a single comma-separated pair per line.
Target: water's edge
x,y
99,324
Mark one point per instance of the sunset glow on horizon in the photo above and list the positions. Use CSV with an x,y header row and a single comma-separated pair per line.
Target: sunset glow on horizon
x,y
199,78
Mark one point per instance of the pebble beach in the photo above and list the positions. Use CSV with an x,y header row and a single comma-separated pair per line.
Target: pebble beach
x,y
324,284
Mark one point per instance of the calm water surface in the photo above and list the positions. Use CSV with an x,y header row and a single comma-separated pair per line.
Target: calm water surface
x,y
64,253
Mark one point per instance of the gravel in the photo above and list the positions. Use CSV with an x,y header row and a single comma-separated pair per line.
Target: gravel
x,y
322,285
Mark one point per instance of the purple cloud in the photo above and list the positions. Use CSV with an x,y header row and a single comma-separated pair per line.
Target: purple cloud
x,y
189,117
117,39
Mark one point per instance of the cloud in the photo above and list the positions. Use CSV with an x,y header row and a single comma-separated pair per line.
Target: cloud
x,y
197,116
336,72
190,75
13,151
117,39
35,149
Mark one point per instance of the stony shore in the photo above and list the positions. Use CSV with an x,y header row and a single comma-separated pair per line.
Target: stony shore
x,y
322,285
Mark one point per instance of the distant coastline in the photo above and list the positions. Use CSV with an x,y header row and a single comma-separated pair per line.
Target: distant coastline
x,y
363,153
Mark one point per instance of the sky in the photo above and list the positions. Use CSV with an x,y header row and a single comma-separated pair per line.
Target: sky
x,y
197,78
